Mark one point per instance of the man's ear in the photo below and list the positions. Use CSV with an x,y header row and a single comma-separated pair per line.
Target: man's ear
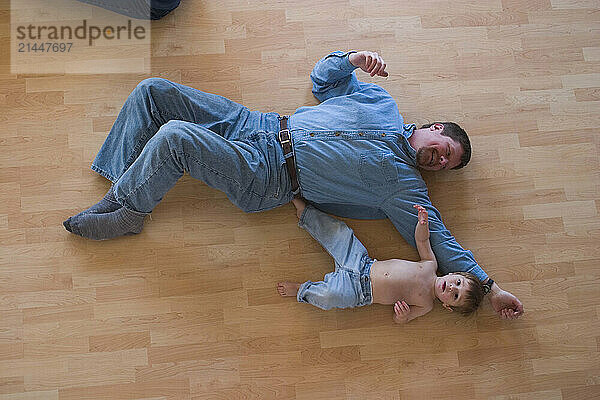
x,y
437,127
447,307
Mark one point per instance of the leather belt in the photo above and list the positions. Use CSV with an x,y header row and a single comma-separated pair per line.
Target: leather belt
x,y
285,140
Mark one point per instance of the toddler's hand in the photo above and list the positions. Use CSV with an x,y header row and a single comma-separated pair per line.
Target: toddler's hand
x,y
422,227
423,216
401,311
300,205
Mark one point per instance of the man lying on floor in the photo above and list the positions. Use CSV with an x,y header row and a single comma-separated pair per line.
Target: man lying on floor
x,y
352,155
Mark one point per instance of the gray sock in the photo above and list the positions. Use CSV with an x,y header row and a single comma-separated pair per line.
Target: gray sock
x,y
107,225
107,204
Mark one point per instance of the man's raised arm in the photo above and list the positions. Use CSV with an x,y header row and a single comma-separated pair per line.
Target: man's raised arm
x,y
333,75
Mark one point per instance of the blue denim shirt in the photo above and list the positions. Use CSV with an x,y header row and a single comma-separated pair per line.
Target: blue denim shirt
x,y
354,159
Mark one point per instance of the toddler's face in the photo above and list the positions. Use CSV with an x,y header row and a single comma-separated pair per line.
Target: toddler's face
x,y
451,289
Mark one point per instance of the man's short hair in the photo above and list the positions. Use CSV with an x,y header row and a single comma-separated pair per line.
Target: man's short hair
x,y
458,134
472,295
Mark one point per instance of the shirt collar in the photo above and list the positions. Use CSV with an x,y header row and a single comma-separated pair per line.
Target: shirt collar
x,y
407,132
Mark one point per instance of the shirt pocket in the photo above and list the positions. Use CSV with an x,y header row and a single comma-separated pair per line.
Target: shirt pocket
x,y
378,169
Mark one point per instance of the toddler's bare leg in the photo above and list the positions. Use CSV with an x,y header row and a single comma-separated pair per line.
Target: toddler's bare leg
x,y
288,289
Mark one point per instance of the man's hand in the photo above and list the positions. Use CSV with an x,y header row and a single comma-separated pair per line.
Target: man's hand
x,y
368,61
505,303
401,312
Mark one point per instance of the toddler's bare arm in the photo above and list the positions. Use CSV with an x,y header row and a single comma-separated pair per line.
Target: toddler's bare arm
x,y
422,235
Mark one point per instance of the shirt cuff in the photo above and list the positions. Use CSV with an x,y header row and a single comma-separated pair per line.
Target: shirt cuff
x,y
479,273
345,64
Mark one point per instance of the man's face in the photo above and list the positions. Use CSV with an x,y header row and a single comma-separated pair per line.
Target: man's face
x,y
440,152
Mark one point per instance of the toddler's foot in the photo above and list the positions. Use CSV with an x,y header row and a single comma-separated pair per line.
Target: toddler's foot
x,y
108,225
288,289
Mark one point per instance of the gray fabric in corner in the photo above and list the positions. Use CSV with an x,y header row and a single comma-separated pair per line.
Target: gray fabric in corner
x,y
139,9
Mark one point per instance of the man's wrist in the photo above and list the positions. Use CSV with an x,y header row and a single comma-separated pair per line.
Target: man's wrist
x,y
495,288
489,286
350,53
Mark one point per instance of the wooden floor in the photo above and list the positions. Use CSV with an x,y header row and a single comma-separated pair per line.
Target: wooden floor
x,y
188,309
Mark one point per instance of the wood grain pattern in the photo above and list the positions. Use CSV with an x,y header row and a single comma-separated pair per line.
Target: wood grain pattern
x,y
188,309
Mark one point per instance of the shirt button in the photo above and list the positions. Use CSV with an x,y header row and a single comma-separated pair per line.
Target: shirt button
x,y
312,134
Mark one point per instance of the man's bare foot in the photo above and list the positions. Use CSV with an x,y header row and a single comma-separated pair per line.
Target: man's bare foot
x,y
288,289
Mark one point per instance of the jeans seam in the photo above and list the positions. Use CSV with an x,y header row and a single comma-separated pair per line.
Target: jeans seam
x,y
154,112
143,138
165,115
135,189
135,150
238,184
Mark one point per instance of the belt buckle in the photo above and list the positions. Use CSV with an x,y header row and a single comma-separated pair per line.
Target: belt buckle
x,y
287,139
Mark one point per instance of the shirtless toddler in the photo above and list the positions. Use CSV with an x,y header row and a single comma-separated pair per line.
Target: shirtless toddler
x,y
359,280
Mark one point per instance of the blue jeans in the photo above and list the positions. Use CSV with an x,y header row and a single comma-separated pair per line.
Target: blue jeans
x,y
350,284
165,129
